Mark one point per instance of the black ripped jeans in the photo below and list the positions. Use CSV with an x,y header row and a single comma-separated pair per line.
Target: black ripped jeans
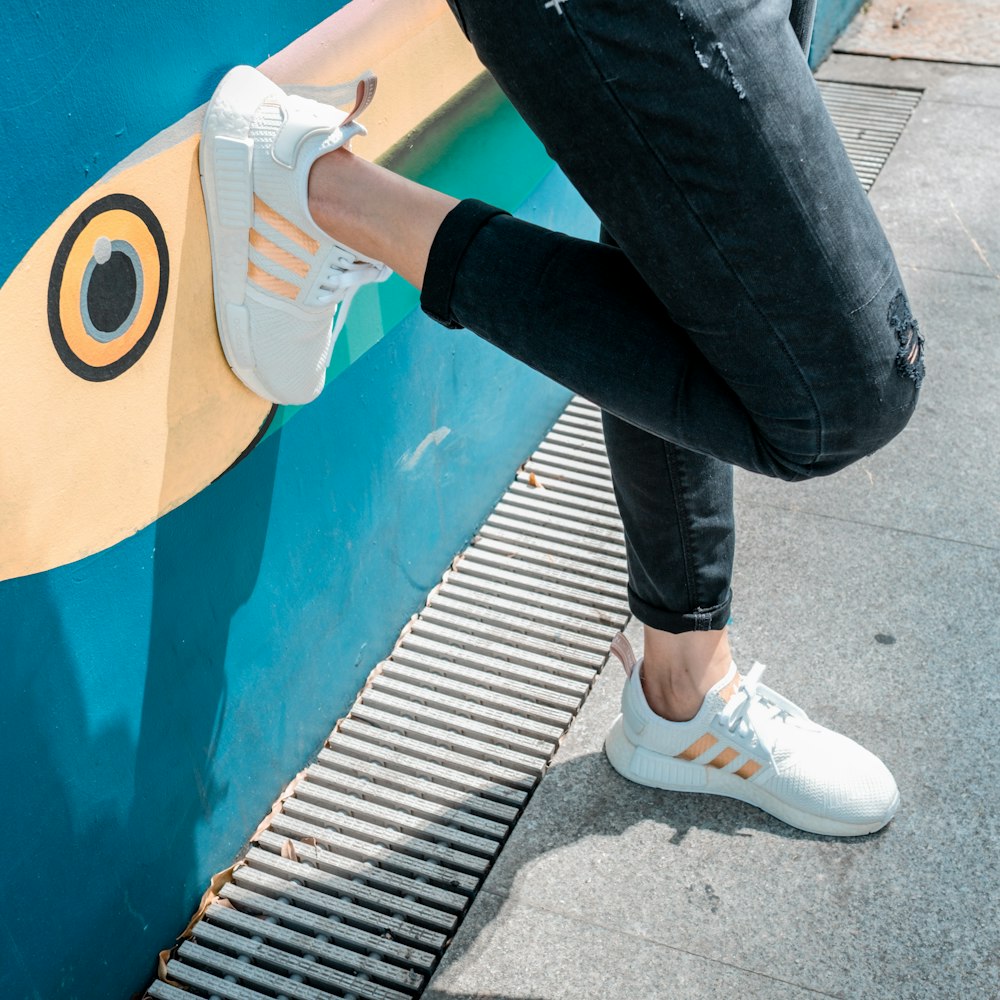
x,y
751,312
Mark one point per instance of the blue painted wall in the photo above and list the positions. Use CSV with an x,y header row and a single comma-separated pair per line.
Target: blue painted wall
x,y
86,83
157,696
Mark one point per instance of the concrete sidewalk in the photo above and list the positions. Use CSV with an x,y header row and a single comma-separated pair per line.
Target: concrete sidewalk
x,y
873,596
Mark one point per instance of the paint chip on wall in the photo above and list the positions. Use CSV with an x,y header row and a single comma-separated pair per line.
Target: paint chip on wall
x,y
410,459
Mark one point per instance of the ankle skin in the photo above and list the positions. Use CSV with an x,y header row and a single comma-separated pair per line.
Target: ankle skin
x,y
679,669
377,212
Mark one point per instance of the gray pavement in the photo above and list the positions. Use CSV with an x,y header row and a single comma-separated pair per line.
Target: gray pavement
x,y
873,597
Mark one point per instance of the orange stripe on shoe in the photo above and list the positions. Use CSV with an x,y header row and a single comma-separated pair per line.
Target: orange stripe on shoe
x,y
280,257
748,770
726,757
698,747
276,286
284,226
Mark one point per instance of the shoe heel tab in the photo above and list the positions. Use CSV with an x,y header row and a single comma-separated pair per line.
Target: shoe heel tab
x,y
622,649
364,93
355,94
304,116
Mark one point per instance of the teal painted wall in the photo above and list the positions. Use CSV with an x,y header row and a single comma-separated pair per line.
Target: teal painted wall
x,y
156,696
832,17
159,694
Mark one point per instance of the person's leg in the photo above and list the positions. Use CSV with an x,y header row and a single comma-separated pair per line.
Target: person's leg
x,y
755,312
488,273
676,507
677,511
697,134
693,724
672,391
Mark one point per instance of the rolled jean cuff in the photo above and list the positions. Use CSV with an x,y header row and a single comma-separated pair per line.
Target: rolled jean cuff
x,y
699,620
458,230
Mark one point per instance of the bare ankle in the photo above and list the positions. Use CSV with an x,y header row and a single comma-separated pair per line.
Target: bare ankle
x,y
326,192
678,670
376,212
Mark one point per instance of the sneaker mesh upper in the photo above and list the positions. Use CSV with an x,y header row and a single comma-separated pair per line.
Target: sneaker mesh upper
x,y
806,766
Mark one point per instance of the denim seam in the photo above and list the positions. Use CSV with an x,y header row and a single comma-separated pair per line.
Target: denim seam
x,y
676,477
864,305
586,51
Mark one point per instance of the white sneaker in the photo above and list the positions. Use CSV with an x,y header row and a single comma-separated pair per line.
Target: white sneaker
x,y
749,743
279,280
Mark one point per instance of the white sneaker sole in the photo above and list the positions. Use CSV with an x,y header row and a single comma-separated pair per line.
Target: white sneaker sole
x,y
656,770
225,158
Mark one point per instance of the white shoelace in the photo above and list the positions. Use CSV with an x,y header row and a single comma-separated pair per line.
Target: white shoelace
x,y
766,704
343,281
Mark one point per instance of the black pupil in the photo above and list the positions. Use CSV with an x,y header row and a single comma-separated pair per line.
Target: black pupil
x,y
111,292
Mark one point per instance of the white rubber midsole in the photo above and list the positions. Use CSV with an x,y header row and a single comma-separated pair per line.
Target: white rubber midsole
x,y
225,163
656,770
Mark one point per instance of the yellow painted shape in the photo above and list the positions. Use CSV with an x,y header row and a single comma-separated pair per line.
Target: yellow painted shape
x,y
85,464
88,463
115,224
415,47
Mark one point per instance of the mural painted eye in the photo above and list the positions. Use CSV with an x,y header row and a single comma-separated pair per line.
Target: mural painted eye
x,y
108,287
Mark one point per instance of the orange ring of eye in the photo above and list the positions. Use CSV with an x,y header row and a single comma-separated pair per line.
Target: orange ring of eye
x,y
127,222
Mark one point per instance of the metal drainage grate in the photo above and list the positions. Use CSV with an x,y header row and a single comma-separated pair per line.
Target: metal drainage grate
x,y
363,872
869,120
